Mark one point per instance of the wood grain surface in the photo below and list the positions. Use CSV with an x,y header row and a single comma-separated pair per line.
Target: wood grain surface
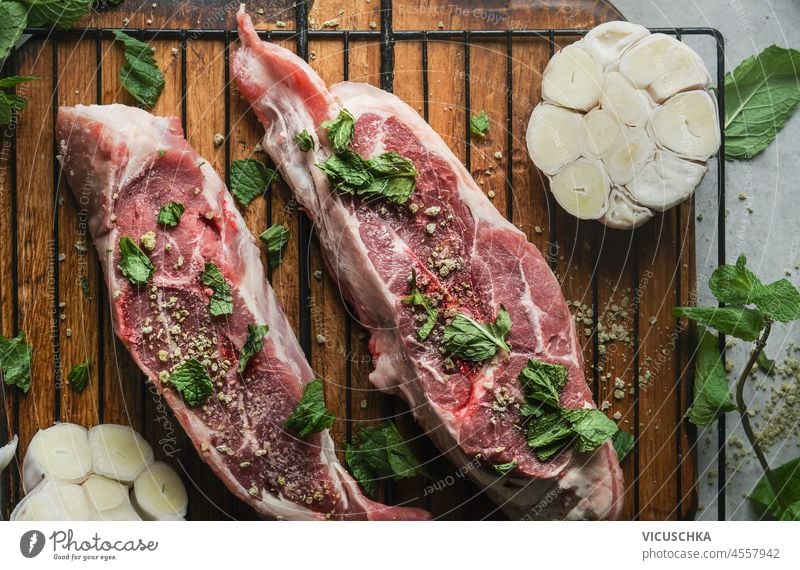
x,y
614,280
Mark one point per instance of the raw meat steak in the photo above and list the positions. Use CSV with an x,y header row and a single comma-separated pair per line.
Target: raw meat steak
x,y
123,165
466,253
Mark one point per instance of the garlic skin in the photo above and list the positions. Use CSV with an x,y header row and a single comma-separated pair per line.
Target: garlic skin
x,y
648,123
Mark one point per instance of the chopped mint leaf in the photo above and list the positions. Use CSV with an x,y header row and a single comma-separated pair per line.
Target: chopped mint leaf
x,y
340,130
418,299
388,175
221,302
79,376
542,382
310,415
250,179
479,124
15,361
170,214
549,434
275,238
304,141
140,76
191,380
134,264
766,365
504,468
85,286
592,428
623,443
253,345
470,340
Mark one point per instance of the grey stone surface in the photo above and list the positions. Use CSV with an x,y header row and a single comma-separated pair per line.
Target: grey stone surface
x,y
769,235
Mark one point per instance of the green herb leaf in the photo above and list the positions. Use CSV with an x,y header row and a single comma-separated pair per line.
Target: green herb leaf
x,y
221,302
503,469
10,102
380,452
304,141
191,380
134,263
275,238
470,340
711,394
543,382
140,76
388,175
253,345
765,364
479,124
13,19
59,13
170,214
592,427
347,172
734,284
549,433
779,301
310,415
79,376
250,179
787,477
623,443
418,299
740,322
760,96
340,130
85,286
15,361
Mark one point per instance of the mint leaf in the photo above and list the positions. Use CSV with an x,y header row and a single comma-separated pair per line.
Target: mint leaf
x,y
13,19
623,443
549,434
79,375
761,95
765,364
340,130
310,415
380,452
734,284
15,361
221,302
134,264
170,214
787,477
740,322
779,301
85,286
140,76
479,124
592,428
250,179
253,345
304,141
418,299
275,238
191,380
504,468
711,394
388,175
58,13
542,382
470,340
347,171
10,102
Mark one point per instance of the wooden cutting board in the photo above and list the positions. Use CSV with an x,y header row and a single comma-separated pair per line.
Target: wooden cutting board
x,y
626,282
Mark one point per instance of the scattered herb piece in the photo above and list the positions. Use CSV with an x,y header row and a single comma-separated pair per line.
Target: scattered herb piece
x,y
766,365
15,361
310,415
221,302
340,130
134,264
592,428
85,286
548,434
623,443
711,393
470,340
380,452
479,124
250,179
140,76
275,238
389,175
761,94
253,344
191,380
170,214
10,102
79,376
418,299
542,382
503,469
304,141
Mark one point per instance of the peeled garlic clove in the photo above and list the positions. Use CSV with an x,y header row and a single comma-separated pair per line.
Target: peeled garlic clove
x,y
159,494
643,62
53,501
119,452
687,124
623,213
573,79
606,42
582,188
683,70
7,453
624,101
631,150
554,137
601,130
666,181
60,452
